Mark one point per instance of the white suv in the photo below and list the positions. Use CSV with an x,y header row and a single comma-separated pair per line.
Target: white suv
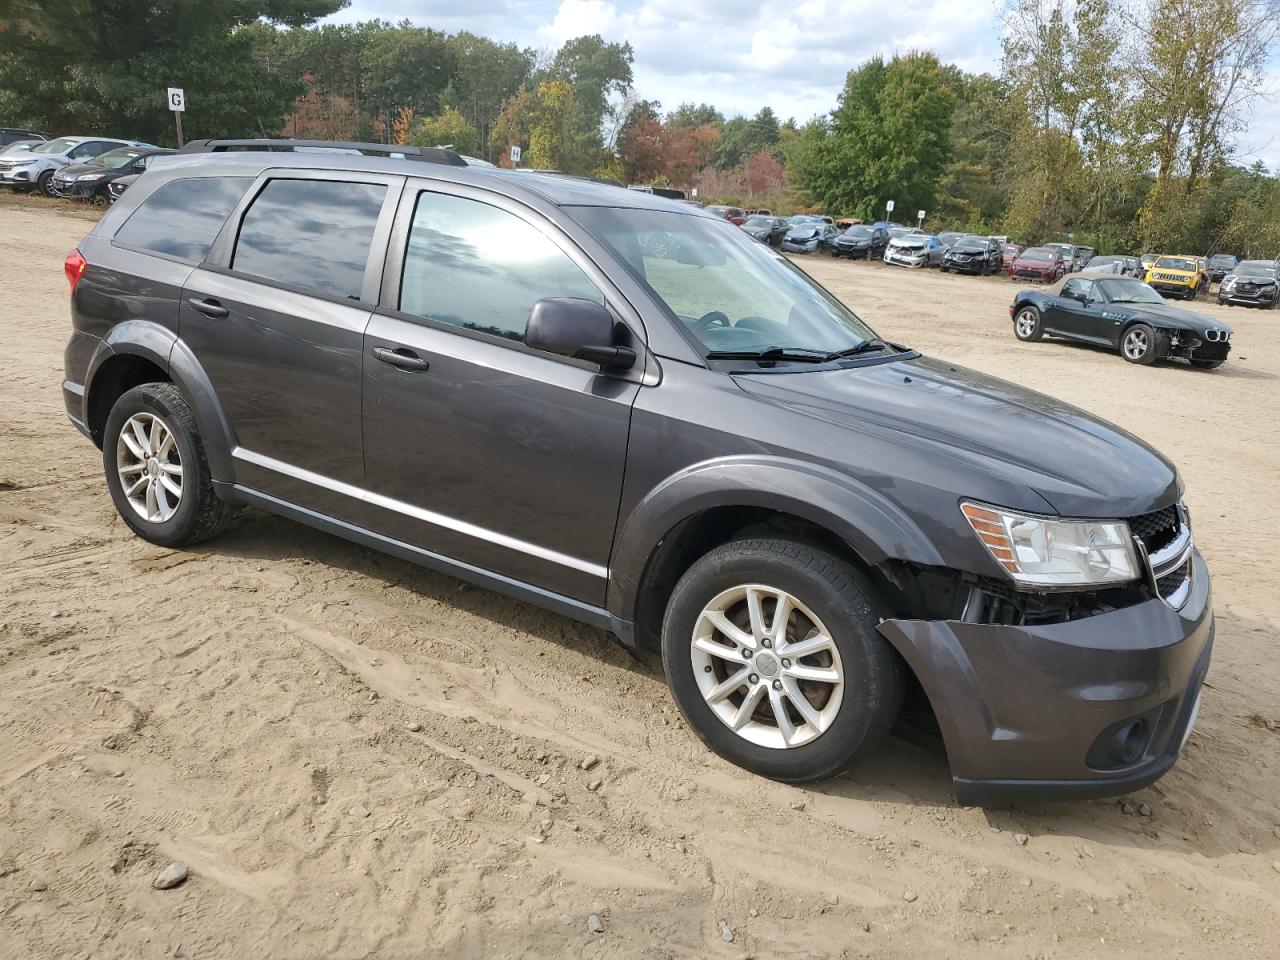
x,y
35,167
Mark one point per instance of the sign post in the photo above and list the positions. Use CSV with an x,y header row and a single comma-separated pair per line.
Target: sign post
x,y
177,103
888,209
919,219
515,155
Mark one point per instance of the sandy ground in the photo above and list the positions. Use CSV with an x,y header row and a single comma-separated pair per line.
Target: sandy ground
x,y
245,708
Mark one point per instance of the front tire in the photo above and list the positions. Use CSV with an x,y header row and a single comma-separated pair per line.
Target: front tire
x,y
814,691
156,468
1028,325
44,183
1139,345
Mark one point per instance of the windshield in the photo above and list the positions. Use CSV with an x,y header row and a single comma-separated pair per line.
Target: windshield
x,y
1038,255
730,292
18,146
1256,268
1176,263
760,222
1129,291
969,245
116,158
801,218
859,232
60,145
1221,260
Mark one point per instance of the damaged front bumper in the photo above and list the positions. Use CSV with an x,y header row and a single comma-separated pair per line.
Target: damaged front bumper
x,y
1086,708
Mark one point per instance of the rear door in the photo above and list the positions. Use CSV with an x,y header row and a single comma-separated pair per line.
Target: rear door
x,y
276,316
477,447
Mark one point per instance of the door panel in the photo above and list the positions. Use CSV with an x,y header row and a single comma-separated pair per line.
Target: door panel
x,y
286,369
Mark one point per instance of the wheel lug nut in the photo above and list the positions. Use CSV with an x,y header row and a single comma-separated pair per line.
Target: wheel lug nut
x,y
786,663
777,684
746,653
707,668
753,679
767,642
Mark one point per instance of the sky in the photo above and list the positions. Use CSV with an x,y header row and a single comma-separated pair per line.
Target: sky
x,y
741,55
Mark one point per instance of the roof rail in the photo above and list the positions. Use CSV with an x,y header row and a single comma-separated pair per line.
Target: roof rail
x,y
283,145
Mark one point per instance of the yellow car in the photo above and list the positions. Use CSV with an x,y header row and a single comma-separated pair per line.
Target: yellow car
x,y
1175,277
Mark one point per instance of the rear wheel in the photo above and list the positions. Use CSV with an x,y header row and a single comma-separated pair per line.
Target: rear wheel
x,y
1027,325
1138,345
772,655
156,469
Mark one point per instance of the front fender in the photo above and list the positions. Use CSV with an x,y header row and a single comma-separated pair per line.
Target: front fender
x,y
874,527
160,346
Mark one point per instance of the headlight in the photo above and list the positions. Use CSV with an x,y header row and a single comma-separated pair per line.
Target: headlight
x,y
1046,552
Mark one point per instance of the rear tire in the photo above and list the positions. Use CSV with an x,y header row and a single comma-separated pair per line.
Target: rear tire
x,y
1028,325
153,424
850,684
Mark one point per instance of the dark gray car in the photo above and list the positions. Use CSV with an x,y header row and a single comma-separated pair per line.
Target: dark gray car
x,y
704,452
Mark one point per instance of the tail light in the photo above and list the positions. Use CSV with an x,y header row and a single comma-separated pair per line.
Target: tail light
x,y
74,267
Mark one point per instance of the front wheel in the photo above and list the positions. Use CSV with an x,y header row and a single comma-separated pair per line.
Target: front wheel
x,y
156,468
1138,345
772,655
44,183
1027,325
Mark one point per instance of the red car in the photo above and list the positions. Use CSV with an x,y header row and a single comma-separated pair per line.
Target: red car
x,y
1010,252
1038,263
734,215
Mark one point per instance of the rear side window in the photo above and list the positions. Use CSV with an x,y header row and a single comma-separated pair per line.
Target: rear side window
x,y
310,233
182,218
473,265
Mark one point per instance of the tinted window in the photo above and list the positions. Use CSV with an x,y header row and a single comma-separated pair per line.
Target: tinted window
x,y
1077,289
476,266
310,233
182,218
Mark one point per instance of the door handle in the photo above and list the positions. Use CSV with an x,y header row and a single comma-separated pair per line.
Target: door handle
x,y
401,357
210,308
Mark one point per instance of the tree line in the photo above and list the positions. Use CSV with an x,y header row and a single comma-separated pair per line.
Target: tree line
x,y
1111,121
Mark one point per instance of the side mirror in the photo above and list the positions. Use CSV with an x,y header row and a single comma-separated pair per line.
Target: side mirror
x,y
581,329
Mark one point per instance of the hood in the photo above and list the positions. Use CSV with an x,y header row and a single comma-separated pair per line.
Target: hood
x,y
1079,464
75,169
22,156
802,233
852,241
1167,315
1021,261
909,243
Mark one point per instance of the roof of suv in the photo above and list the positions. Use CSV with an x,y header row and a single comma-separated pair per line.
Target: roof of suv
x,y
556,189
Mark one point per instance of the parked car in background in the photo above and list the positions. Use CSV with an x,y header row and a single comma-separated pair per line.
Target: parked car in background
x,y
977,255
90,180
813,236
759,213
767,229
796,218
948,237
1008,252
1220,264
914,250
861,241
1175,277
1083,256
800,549
117,187
1147,261
1069,253
34,168
1116,263
10,135
19,146
1038,263
1123,314
735,215
1252,283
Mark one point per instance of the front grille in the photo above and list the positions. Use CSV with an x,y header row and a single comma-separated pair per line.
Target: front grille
x,y
1168,584
1156,530
1171,277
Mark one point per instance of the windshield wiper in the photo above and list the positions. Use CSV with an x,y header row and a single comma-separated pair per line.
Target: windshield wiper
x,y
862,346
769,355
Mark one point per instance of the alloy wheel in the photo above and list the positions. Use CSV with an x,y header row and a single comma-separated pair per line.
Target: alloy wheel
x,y
150,467
767,666
1135,345
1026,324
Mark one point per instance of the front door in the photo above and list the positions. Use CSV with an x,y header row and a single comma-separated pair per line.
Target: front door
x,y
279,326
477,447
1072,314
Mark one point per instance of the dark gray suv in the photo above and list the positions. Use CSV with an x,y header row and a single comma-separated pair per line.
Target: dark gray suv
x,y
688,443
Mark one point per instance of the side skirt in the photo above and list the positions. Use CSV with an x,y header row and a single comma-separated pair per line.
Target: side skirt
x,y
556,602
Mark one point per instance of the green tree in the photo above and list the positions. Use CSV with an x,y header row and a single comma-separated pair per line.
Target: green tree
x,y
595,72
103,65
405,67
448,128
695,115
487,75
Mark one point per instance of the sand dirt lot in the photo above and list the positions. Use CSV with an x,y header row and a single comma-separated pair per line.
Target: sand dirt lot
x,y
356,757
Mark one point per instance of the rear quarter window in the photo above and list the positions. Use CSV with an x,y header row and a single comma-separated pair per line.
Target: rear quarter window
x,y
182,218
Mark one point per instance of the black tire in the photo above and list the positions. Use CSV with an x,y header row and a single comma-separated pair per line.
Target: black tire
x,y
846,603
44,183
1035,332
200,513
1132,338
942,267
1207,364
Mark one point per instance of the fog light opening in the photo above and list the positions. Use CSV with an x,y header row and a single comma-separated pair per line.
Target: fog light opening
x,y
1129,742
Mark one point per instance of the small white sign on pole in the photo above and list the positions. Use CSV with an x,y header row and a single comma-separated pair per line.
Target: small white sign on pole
x,y
515,154
919,214
889,206
695,191
177,100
